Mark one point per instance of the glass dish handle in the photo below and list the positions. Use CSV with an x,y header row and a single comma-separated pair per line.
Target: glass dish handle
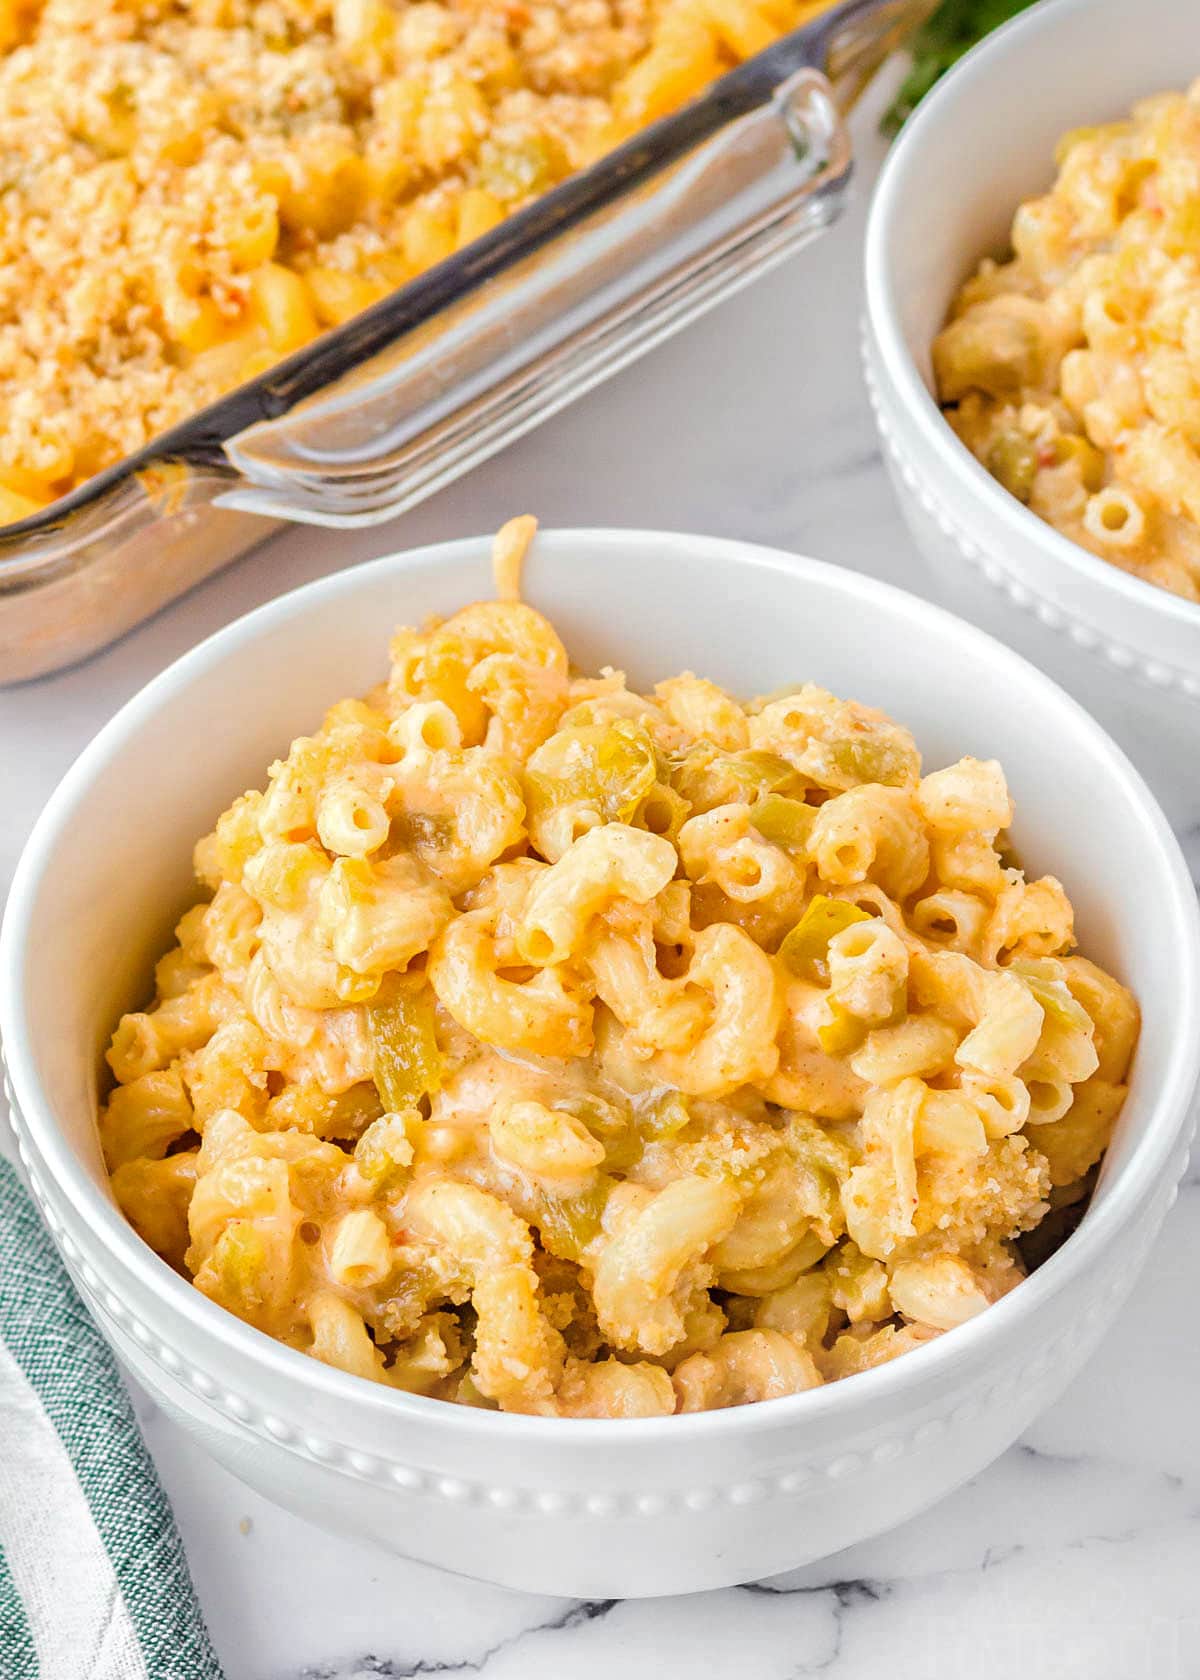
x,y
512,353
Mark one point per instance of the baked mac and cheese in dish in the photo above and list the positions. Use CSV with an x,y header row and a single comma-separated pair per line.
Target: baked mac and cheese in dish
x,y
1072,370
547,1046
193,189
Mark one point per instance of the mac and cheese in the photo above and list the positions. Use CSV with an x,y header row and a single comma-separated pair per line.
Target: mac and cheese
x,y
1073,370
548,1046
194,189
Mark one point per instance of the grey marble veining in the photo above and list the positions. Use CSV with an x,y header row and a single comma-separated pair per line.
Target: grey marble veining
x,y
1078,1553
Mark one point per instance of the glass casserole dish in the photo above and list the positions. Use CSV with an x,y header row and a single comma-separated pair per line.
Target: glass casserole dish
x,y
377,414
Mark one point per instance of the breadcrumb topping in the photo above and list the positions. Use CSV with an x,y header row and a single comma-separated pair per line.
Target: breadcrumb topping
x,y
192,189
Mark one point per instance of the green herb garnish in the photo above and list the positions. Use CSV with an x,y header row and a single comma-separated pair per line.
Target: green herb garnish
x,y
956,27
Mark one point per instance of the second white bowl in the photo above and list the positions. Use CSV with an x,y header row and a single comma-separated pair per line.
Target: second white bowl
x,y
588,1508
983,141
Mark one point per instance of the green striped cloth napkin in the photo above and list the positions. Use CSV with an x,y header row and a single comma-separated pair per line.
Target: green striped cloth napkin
x,y
94,1584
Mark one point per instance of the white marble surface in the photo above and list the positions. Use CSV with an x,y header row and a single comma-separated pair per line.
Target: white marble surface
x,y
1078,1553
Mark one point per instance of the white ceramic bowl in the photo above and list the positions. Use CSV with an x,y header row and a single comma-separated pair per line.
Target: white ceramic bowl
x,y
597,1509
983,141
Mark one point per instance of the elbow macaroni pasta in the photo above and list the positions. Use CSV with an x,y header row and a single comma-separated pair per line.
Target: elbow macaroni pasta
x,y
607,1118
195,190
1072,370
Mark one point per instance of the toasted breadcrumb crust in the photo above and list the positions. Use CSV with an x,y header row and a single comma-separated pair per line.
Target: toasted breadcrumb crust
x,y
169,170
